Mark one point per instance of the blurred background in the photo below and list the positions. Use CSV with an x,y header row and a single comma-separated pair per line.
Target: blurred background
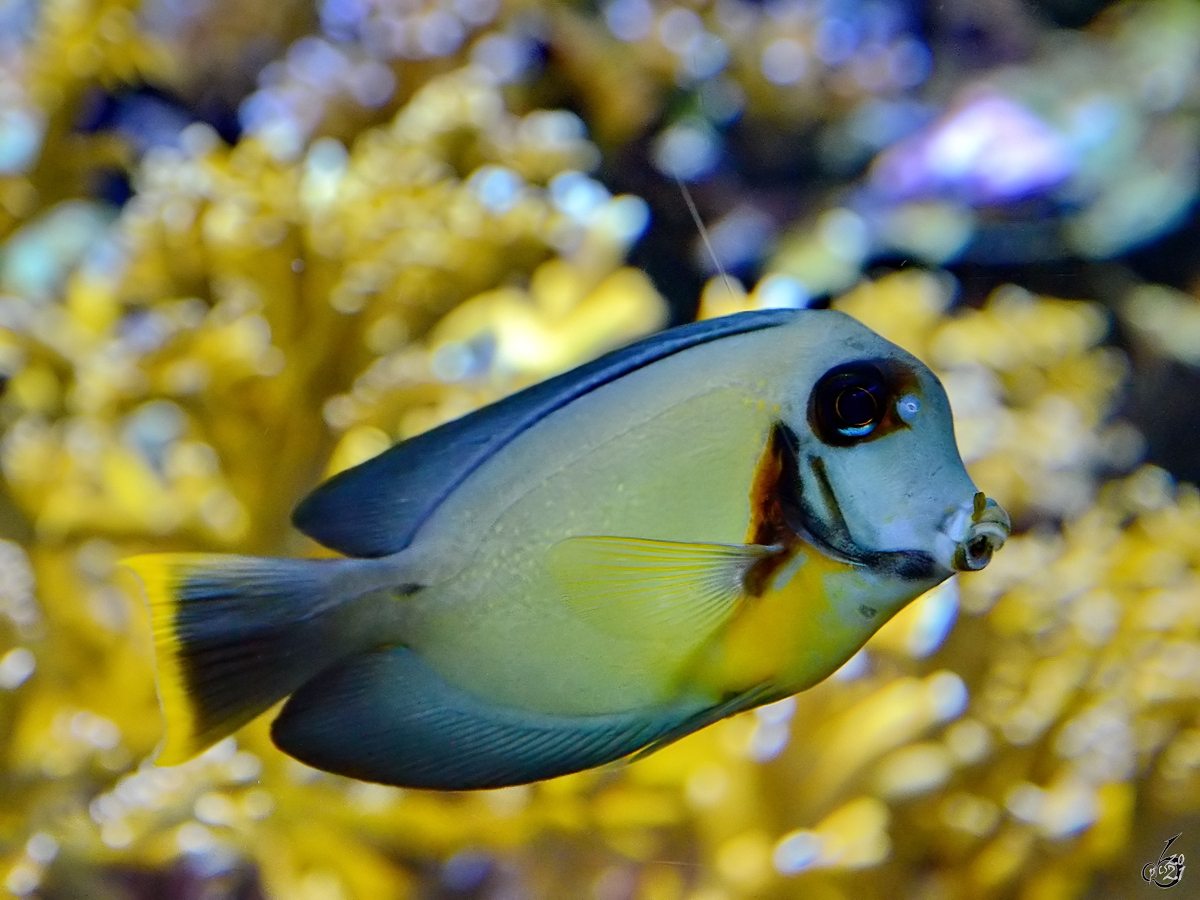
x,y
244,245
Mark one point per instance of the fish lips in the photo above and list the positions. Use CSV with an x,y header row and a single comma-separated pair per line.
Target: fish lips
x,y
978,530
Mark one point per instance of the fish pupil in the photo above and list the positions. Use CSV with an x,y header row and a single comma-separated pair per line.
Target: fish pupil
x,y
856,407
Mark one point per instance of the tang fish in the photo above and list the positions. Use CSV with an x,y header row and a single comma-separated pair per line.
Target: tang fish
x,y
706,521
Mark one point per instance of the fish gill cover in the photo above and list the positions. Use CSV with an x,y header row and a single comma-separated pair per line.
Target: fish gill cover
x,y
247,245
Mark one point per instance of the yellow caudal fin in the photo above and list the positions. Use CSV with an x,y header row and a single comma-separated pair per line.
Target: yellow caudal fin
x,y
232,636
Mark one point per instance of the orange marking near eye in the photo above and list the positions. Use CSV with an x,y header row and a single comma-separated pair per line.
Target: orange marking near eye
x,y
767,527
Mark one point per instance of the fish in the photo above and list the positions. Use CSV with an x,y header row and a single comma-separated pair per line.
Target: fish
x,y
706,521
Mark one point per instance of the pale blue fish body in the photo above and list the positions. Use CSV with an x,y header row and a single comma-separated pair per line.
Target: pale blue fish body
x,y
594,566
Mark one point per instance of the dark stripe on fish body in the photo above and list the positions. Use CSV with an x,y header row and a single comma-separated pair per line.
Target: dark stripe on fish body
x,y
912,565
831,501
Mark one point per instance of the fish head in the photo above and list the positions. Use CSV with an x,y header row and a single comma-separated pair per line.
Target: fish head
x,y
878,480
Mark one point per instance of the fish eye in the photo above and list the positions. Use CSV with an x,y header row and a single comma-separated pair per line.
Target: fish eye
x,y
849,402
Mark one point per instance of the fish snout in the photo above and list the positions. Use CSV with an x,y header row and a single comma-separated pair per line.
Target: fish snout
x,y
983,531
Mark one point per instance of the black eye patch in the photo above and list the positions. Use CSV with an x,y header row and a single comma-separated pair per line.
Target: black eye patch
x,y
864,400
850,402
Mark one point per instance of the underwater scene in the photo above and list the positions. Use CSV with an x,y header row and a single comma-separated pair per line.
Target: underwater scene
x,y
248,245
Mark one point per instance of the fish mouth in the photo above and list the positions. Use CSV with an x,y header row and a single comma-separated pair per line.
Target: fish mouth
x,y
979,536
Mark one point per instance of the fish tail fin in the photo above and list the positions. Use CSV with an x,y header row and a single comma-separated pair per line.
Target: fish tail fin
x,y
234,635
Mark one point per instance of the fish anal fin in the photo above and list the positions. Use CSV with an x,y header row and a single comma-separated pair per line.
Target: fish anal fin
x,y
385,716
659,591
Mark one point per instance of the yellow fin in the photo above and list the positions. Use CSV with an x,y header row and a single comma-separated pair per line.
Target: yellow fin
x,y
233,635
655,591
160,577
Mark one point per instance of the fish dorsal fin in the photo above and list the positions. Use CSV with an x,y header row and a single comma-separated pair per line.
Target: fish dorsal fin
x,y
657,591
376,508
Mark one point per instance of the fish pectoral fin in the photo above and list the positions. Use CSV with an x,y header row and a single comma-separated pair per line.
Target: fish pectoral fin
x,y
677,593
385,716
